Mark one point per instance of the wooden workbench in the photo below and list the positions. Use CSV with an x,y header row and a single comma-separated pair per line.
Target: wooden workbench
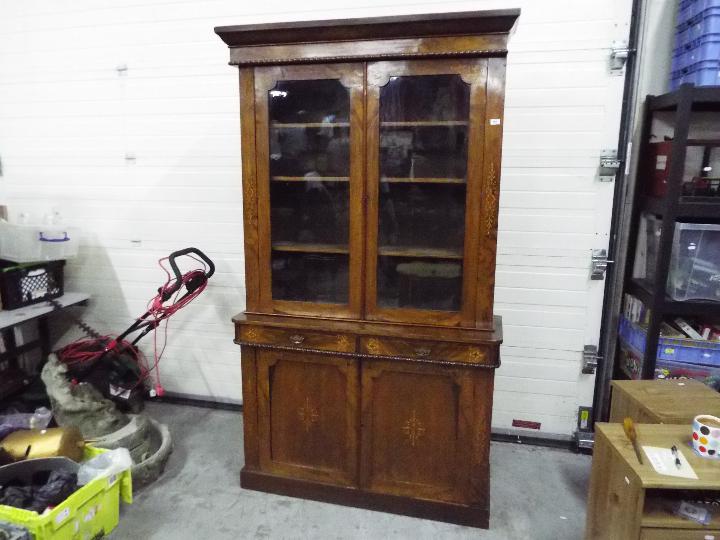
x,y
662,401
630,501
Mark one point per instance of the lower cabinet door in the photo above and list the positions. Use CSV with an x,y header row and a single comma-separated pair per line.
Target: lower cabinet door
x,y
419,432
308,416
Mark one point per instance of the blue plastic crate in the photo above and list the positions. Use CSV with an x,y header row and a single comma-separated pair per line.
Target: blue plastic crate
x,y
692,9
697,28
683,39
678,370
685,351
706,73
686,9
706,48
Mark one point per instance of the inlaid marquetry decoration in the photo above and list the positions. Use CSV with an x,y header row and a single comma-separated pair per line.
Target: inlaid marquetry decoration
x,y
373,346
413,429
343,342
308,415
492,200
251,207
250,334
476,355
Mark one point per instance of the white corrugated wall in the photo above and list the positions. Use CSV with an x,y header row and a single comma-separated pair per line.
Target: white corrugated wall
x,y
123,115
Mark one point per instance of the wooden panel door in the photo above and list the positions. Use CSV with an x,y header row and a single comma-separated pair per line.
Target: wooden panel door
x,y
309,146
417,432
425,146
307,416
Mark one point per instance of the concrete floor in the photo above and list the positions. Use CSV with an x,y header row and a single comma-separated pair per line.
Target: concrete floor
x,y
537,493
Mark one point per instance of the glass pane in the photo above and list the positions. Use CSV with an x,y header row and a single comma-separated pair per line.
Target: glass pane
x,y
701,175
426,283
309,190
422,195
310,277
702,171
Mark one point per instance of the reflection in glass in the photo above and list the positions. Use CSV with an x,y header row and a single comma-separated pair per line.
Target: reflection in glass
x,y
309,212
310,277
422,215
309,190
422,194
702,171
419,283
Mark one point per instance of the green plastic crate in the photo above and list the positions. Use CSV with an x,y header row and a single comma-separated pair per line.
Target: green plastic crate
x,y
90,512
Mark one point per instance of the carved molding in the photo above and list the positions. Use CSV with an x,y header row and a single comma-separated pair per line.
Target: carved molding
x,y
382,56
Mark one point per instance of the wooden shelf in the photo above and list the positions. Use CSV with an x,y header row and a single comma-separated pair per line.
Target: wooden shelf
x,y
658,513
427,253
401,180
297,125
298,247
426,123
309,178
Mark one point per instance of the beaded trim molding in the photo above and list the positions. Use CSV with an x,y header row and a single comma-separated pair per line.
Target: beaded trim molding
x,y
386,56
369,356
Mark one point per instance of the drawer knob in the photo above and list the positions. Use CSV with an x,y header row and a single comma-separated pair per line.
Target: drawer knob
x,y
296,339
422,352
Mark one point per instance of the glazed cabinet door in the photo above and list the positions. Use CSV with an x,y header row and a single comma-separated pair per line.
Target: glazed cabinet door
x,y
425,132
308,416
423,432
309,141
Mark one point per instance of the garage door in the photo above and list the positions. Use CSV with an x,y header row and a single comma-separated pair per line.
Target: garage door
x,y
562,112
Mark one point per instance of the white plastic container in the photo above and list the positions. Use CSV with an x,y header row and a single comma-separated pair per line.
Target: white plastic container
x,y
648,245
34,243
695,263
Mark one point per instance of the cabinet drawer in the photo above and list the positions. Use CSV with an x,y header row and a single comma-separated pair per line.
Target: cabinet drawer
x,y
679,534
428,350
297,339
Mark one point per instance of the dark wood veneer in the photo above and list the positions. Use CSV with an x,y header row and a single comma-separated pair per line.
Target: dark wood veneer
x,y
391,27
362,403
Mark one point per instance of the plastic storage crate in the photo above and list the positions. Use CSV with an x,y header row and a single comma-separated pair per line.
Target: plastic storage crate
x,y
33,243
705,73
696,54
25,284
690,10
695,262
90,512
647,247
678,350
630,362
696,57
709,375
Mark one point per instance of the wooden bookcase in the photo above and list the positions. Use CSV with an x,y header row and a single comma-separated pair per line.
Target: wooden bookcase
x,y
371,172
